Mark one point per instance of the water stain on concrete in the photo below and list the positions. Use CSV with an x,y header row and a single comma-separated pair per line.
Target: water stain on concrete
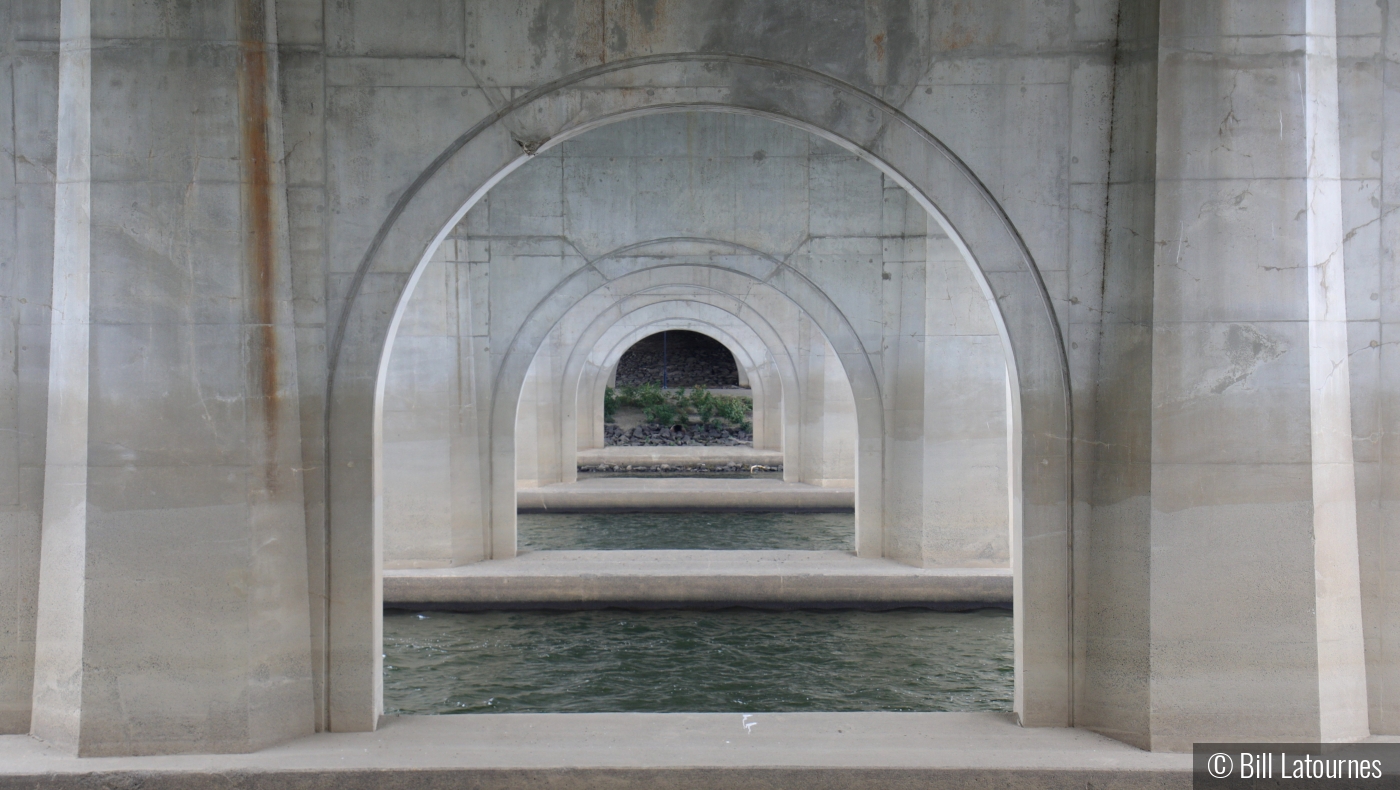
x,y
260,246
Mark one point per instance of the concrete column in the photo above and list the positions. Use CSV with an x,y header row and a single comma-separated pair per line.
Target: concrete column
x,y
828,423
419,399
1113,560
768,400
436,397
28,94
471,442
1255,601
172,592
905,387
1369,93
964,519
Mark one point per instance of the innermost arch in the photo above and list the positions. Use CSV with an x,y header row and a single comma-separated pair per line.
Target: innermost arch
x,y
678,358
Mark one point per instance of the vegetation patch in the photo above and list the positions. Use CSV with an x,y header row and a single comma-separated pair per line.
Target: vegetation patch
x,y
685,407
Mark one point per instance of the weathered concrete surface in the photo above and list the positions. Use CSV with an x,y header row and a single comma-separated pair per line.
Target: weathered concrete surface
x,y
605,750
671,579
1149,204
28,120
681,493
1252,457
1368,84
172,462
688,456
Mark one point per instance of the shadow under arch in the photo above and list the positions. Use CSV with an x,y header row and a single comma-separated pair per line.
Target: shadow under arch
x,y
427,209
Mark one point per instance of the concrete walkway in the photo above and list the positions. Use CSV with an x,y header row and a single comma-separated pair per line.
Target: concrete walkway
x,y
681,493
605,750
695,579
680,456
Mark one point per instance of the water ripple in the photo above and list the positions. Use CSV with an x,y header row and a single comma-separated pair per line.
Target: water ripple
x,y
733,660
612,531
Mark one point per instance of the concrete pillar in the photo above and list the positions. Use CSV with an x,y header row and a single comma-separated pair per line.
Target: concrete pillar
x,y
436,399
1369,93
28,95
172,590
964,516
1255,604
1113,559
419,400
905,386
828,421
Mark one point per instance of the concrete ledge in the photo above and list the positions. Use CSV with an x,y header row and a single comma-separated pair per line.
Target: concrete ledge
x,y
680,456
695,580
618,494
608,750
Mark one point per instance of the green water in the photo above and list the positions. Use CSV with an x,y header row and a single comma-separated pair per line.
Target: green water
x,y
734,660
611,531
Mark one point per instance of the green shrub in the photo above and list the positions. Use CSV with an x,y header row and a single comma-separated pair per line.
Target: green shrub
x,y
675,408
609,405
664,412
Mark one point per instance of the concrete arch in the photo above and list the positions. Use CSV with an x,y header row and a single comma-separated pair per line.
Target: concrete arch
x,y
607,300
756,321
584,377
858,121
772,381
580,383
763,373
587,336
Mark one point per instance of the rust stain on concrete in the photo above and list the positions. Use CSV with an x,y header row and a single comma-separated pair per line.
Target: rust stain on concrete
x,y
260,246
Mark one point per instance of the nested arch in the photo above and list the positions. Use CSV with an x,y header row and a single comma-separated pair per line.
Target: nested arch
x,y
695,293
598,366
862,123
601,301
765,376
579,382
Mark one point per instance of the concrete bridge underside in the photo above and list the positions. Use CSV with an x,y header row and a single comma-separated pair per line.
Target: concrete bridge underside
x,y
1172,222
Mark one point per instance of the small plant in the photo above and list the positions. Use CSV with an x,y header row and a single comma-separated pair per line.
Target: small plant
x,y
664,412
677,408
609,405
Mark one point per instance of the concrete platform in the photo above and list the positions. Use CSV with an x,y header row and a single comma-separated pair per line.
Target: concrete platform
x,y
681,493
680,456
815,751
695,579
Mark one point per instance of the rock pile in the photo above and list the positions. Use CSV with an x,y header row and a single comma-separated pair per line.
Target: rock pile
x,y
679,468
693,360
695,435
